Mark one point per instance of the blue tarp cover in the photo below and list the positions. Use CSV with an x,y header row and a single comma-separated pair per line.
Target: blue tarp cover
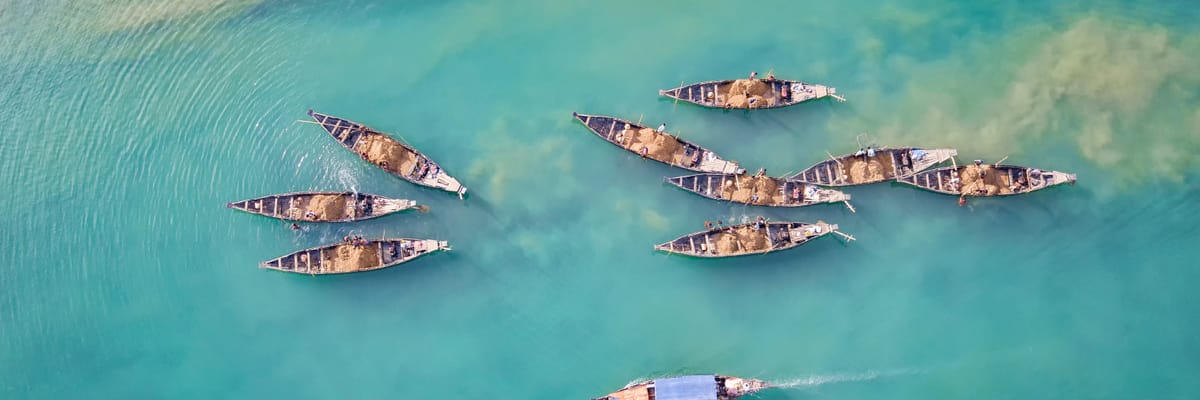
x,y
695,387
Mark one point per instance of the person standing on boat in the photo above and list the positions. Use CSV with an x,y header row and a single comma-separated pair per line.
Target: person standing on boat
x,y
753,74
979,165
661,128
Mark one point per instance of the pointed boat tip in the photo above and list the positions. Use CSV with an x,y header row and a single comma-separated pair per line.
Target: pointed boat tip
x,y
310,112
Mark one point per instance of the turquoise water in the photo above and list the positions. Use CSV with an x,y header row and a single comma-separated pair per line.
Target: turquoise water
x,y
132,123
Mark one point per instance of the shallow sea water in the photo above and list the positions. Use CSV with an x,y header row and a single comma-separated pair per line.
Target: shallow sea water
x,y
133,122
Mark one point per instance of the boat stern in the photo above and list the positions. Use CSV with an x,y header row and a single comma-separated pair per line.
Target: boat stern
x,y
448,183
825,195
710,162
735,387
923,159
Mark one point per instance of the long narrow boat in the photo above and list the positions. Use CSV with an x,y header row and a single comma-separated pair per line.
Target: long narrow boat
x,y
346,257
759,237
987,180
658,146
323,206
750,93
758,189
381,150
691,387
873,165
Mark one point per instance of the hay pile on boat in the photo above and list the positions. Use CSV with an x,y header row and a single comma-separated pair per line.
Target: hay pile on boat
x,y
380,149
727,243
328,207
744,188
981,180
741,239
659,146
747,93
866,171
347,258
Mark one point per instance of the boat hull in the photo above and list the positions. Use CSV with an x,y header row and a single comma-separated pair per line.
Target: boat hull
x,y
658,146
862,169
757,190
745,94
996,180
703,386
388,154
347,257
746,239
323,206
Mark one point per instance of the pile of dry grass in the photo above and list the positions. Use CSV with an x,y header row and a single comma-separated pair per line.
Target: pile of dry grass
x,y
378,149
346,258
659,146
328,207
741,239
866,171
744,187
981,180
745,93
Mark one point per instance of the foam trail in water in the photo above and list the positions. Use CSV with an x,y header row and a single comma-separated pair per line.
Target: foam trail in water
x,y
820,380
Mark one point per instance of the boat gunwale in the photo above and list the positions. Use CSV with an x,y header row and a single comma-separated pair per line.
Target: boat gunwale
x,y
666,246
583,117
442,246
912,180
779,180
667,93
233,205
366,129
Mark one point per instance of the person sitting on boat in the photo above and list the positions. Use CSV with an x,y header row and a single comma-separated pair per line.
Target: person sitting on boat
x,y
770,76
860,152
784,93
754,198
383,164
870,151
760,223
645,151
708,225
753,74
710,96
954,183
979,165
1018,183
761,173
661,128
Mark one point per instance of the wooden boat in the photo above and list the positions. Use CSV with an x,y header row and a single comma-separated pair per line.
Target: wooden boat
x,y
996,180
658,146
750,93
381,150
346,257
872,165
758,189
692,387
323,206
758,237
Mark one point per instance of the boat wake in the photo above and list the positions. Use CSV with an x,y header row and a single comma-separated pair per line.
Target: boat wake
x,y
821,380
